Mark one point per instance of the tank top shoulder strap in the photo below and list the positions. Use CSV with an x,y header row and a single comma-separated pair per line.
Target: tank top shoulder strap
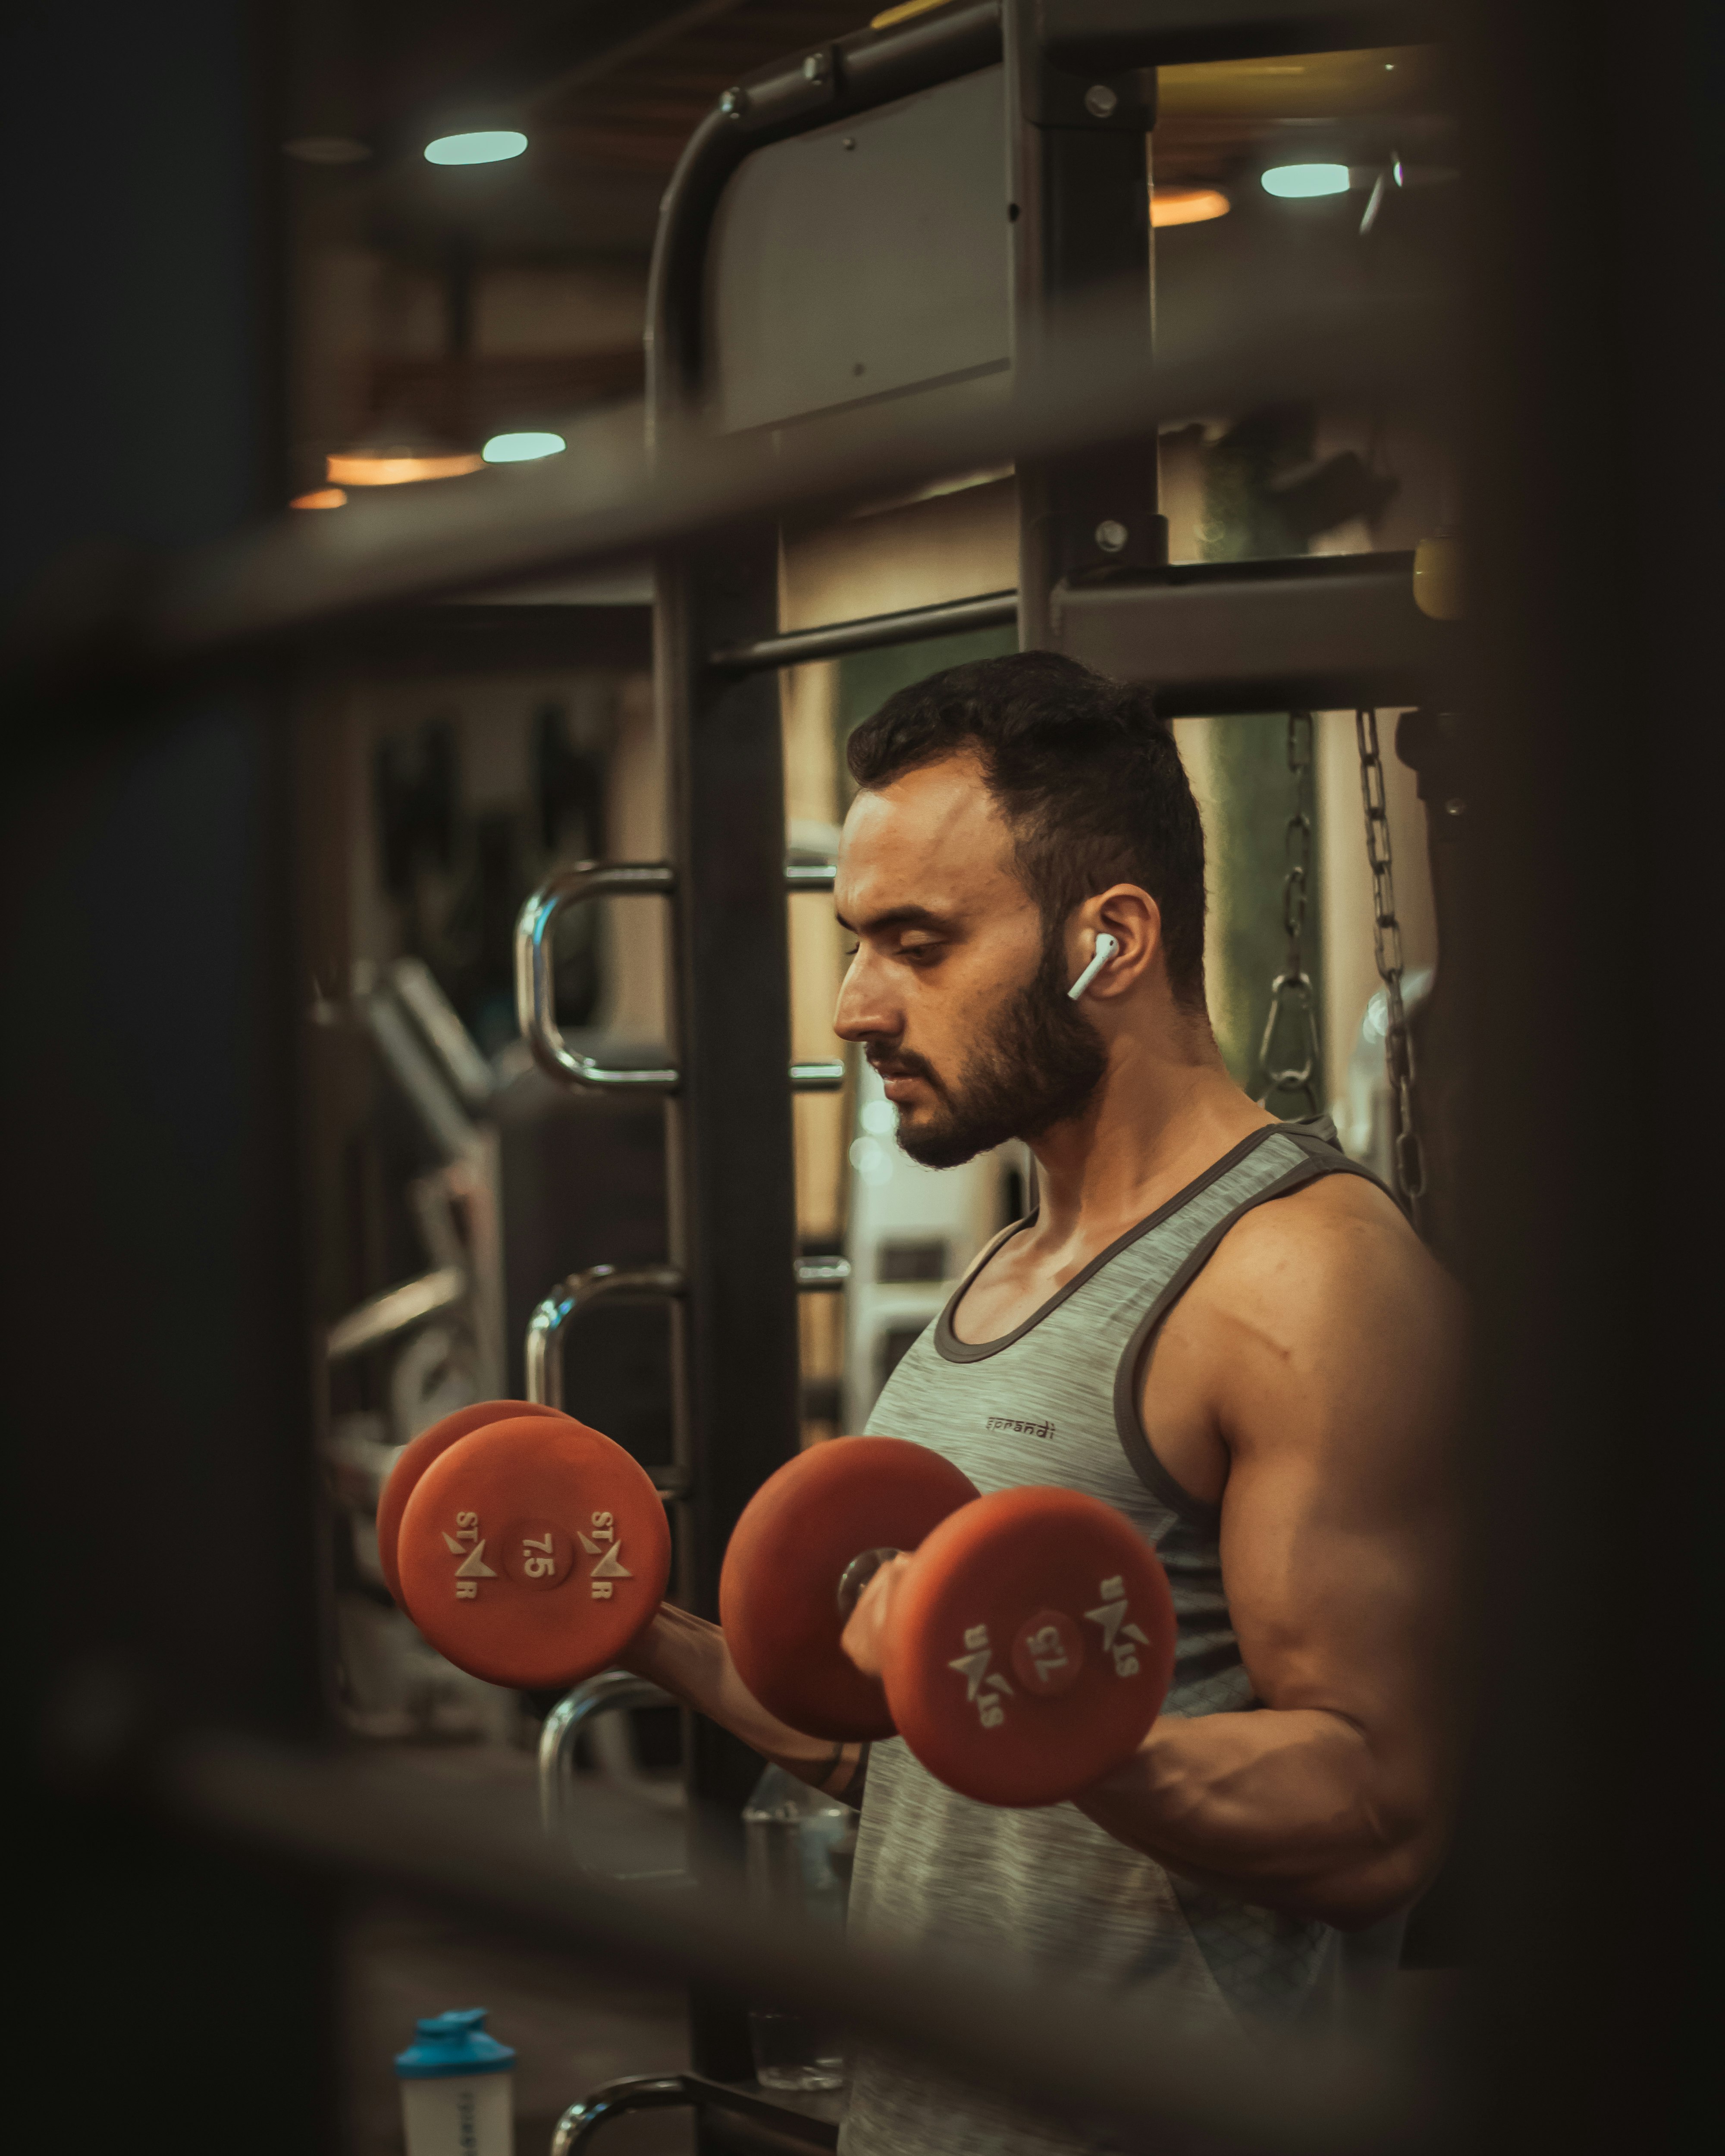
x,y
1321,1154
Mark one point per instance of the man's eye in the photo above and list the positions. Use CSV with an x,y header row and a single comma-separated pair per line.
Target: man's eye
x,y
852,951
920,954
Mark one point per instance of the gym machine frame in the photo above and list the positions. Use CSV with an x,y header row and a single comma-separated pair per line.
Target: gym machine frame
x,y
1093,581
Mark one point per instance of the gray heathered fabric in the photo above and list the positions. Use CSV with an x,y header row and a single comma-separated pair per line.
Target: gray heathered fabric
x,y
1045,1894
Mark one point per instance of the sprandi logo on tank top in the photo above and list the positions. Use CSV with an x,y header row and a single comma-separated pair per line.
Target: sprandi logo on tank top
x,y
1021,1429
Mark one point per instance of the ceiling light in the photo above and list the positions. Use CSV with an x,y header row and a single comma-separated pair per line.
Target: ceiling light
x,y
1290,183
522,449
490,146
384,469
1187,205
325,497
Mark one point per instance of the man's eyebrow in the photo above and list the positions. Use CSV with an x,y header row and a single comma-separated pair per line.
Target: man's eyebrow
x,y
897,917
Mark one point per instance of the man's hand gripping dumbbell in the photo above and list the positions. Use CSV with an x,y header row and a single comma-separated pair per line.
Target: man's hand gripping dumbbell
x,y
1020,1643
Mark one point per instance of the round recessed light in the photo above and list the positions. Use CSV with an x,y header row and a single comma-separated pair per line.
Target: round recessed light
x,y
491,145
522,449
1293,183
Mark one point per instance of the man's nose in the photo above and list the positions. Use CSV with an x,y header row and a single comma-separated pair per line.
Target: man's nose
x,y
865,1012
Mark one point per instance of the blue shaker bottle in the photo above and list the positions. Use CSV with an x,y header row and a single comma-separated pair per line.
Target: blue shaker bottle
x,y
457,2095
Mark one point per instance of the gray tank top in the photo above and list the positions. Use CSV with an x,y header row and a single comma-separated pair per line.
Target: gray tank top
x,y
1047,1895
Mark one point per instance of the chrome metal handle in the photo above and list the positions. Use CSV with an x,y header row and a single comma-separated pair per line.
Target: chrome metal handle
x,y
582,2121
825,1077
607,1692
545,1327
544,1351
535,993
810,875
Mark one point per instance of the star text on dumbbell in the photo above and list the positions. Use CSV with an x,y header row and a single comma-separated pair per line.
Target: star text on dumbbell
x,y
1118,1635
468,1545
973,1668
610,1565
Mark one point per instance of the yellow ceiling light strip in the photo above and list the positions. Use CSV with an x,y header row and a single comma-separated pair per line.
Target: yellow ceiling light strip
x,y
374,470
1305,85
903,13
1187,205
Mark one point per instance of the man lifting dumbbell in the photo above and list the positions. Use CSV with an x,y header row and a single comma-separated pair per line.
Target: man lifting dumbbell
x,y
1215,1331
1214,1323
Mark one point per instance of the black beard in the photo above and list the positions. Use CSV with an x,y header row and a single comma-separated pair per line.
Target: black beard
x,y
1040,1064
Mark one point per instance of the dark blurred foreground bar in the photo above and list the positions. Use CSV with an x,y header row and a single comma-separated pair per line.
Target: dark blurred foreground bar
x,y
297,576
1066,2051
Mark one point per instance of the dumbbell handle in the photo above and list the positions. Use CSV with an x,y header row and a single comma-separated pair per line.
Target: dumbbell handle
x,y
857,1574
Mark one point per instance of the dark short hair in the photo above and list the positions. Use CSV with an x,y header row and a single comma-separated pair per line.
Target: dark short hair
x,y
1087,777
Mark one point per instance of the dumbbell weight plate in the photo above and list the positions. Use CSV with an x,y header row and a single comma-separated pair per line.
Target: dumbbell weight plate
x,y
778,1589
1031,1645
532,1552
418,1456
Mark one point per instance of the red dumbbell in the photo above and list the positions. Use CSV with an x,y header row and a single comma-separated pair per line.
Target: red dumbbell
x,y
1031,1645
1030,1648
527,1547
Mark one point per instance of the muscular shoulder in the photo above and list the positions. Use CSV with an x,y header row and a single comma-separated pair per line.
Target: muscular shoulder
x,y
1325,1294
1321,1251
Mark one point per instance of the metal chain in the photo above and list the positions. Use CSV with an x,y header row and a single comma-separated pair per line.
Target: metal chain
x,y
1292,990
1387,939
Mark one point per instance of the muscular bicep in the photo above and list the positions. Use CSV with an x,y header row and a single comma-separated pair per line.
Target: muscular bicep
x,y
1306,1377
1335,1401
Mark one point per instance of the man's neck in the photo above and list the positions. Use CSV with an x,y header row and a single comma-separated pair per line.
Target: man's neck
x,y
1162,1116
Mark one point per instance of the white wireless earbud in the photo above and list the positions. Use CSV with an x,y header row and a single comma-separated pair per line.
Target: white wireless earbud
x,y
1106,947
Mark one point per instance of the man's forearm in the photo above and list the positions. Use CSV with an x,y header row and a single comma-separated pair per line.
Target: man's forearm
x,y
1287,1809
688,1658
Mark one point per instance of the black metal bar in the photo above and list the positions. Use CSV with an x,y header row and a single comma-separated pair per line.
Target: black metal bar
x,y
873,632
733,1209
1313,632
1081,229
734,1225
261,588
1291,2090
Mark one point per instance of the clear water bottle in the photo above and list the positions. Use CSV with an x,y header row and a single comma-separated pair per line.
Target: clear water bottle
x,y
456,2081
799,1845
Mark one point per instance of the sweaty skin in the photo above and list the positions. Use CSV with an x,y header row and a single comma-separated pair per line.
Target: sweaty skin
x,y
1305,1382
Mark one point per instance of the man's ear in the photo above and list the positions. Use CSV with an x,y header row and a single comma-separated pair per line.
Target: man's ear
x,y
1127,912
